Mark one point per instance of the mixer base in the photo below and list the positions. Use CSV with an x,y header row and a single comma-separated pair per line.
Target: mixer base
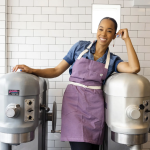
x,y
108,144
135,147
16,138
129,139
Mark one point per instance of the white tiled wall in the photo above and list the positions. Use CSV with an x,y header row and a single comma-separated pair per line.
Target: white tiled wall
x,y
3,24
41,32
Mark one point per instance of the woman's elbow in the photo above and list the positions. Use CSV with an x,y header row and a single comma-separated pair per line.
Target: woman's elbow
x,y
136,70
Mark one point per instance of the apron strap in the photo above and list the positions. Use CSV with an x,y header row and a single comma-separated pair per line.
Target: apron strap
x,y
107,60
85,51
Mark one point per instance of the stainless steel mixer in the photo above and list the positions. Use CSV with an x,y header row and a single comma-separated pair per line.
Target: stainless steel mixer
x,y
23,108
127,107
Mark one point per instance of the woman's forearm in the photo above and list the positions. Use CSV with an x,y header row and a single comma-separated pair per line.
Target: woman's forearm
x,y
52,72
132,66
45,73
132,57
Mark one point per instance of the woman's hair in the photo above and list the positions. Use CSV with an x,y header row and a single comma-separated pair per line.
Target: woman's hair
x,y
113,20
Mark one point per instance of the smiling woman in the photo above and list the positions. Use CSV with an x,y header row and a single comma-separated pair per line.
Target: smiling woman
x,y
91,63
106,33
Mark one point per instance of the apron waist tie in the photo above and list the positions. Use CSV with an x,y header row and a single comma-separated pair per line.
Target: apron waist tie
x,y
89,87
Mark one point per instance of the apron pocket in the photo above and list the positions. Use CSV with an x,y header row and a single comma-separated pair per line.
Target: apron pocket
x,y
95,102
70,102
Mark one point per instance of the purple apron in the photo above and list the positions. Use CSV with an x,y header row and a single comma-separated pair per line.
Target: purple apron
x,y
83,108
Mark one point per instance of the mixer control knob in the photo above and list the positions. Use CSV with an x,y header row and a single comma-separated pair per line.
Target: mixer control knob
x,y
146,118
133,112
146,103
30,110
12,110
141,107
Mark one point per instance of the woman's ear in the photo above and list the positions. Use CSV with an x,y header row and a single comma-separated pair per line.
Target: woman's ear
x,y
114,37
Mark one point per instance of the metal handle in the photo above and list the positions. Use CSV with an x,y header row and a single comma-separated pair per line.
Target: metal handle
x,y
147,110
53,117
44,107
56,131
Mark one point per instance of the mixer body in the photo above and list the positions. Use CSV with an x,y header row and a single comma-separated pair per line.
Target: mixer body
x,y
24,112
19,112
127,105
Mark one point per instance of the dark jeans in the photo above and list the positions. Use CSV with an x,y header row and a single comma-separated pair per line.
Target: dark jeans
x,y
83,146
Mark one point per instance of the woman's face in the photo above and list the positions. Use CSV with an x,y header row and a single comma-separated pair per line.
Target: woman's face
x,y
105,32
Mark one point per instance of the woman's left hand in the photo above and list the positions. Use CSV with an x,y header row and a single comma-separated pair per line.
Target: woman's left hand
x,y
123,33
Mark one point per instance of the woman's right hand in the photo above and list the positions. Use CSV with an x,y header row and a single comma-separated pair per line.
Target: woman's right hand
x,y
45,73
23,68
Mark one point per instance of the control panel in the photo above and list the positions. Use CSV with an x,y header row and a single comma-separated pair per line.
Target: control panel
x,y
29,111
146,111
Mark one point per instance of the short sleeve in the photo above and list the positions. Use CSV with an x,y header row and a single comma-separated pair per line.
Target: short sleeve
x,y
70,57
117,61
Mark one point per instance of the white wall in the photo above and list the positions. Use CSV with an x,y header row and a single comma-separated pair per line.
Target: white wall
x,y
3,24
41,32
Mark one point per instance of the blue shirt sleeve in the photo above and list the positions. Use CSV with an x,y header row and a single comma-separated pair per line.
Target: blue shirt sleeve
x,y
117,61
70,57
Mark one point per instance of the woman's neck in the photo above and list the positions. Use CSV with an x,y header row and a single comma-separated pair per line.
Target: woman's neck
x,y
100,49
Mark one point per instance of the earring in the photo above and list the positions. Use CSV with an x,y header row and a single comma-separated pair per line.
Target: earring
x,y
113,42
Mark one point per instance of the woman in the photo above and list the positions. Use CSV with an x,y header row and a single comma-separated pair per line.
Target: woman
x,y
83,101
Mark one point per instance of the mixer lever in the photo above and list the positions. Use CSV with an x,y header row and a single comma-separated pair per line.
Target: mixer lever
x,y
147,110
44,107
